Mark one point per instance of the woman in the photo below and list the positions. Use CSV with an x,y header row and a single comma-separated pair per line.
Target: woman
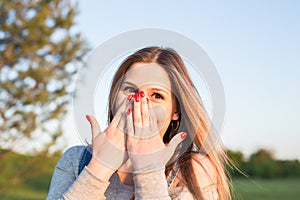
x,y
144,153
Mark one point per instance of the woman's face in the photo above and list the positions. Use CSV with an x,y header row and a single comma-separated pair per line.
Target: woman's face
x,y
154,81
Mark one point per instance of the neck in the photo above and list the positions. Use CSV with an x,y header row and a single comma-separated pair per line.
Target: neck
x,y
125,178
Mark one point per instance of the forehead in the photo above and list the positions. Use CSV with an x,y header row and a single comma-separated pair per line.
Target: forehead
x,y
148,73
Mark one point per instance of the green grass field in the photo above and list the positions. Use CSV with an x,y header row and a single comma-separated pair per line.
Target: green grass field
x,y
23,194
277,189
255,189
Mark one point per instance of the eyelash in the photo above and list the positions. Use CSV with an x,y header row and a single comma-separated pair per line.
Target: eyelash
x,y
133,90
160,96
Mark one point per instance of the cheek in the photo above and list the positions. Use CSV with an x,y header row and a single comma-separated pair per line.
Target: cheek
x,y
161,117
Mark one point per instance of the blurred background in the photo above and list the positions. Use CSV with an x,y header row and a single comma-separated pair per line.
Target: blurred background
x,y
254,45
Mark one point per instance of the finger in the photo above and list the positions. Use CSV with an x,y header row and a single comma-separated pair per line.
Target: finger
x,y
129,121
176,140
128,109
144,110
153,119
122,122
94,125
118,116
137,119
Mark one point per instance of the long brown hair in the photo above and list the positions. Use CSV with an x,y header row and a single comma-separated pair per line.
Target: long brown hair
x,y
193,118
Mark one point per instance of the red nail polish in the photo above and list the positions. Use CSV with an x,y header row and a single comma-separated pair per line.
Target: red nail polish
x,y
129,97
142,94
183,135
128,111
147,100
136,97
88,118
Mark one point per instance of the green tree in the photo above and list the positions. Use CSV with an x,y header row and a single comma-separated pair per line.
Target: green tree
x,y
288,168
262,164
40,52
237,163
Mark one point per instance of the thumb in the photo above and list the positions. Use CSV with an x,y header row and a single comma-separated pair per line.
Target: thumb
x,y
94,125
177,139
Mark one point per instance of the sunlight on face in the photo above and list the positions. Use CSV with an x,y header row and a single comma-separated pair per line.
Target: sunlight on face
x,y
154,81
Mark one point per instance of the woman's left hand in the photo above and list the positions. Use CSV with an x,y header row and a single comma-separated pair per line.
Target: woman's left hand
x,y
145,147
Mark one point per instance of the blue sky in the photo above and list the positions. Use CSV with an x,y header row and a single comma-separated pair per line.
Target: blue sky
x,y
255,46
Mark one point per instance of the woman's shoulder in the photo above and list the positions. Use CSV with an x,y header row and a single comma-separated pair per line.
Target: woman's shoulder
x,y
204,169
71,157
74,151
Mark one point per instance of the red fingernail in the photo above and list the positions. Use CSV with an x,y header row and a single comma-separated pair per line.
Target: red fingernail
x,y
183,135
129,97
147,100
142,94
128,111
88,118
136,97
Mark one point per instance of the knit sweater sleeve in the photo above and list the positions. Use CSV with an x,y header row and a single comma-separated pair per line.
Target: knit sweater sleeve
x,y
87,186
151,185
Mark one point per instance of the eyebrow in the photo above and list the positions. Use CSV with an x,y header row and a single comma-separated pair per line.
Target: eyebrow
x,y
154,88
129,83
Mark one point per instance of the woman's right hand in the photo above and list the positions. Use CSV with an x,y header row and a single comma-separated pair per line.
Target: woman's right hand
x,y
146,149
109,152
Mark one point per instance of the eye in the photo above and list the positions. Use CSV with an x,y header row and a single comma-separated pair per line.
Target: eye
x,y
129,90
157,96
